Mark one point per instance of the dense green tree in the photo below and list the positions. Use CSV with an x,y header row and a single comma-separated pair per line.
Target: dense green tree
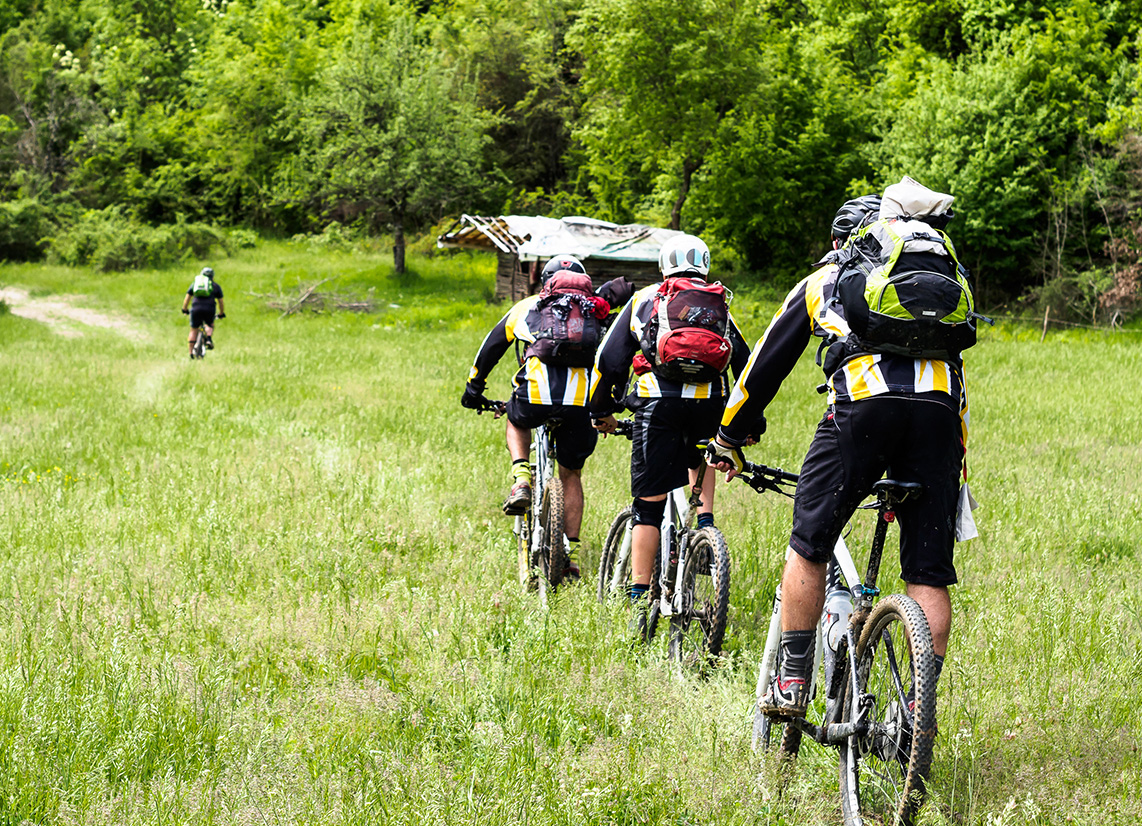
x,y
527,76
1004,132
47,105
390,135
256,60
659,79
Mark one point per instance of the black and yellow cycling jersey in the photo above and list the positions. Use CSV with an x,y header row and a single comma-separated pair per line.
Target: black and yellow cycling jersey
x,y
620,346
535,381
805,313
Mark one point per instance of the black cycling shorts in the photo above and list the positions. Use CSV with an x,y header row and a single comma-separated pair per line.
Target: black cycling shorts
x,y
199,318
664,446
575,438
906,438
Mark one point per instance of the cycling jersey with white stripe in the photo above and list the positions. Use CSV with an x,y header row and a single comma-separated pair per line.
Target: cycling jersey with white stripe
x,y
535,382
621,345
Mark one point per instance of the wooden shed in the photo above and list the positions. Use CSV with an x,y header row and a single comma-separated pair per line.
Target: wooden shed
x,y
523,244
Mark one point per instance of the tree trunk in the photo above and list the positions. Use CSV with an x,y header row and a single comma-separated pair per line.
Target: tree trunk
x,y
398,245
689,167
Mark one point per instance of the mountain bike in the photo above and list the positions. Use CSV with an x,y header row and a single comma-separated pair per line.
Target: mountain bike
x,y
879,675
540,541
200,348
692,586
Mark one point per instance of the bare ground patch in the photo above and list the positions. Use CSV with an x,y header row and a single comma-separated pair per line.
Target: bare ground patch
x,y
61,313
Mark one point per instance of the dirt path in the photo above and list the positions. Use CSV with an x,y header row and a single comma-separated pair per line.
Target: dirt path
x,y
61,313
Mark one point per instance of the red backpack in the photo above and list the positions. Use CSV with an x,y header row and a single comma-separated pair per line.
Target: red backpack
x,y
686,337
566,321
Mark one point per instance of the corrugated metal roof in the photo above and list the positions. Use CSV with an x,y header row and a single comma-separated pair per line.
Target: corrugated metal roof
x,y
536,237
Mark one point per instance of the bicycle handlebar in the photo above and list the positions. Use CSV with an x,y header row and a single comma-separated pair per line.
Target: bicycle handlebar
x,y
762,478
491,406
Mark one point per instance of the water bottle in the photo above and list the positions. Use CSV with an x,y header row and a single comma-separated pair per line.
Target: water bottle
x,y
838,608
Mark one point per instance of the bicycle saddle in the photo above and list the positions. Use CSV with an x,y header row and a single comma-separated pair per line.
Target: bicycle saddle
x,y
894,492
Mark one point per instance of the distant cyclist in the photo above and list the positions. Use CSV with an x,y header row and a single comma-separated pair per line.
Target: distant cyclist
x,y
207,299
551,382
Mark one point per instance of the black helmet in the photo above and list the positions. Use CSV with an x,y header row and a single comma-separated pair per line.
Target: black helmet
x,y
853,215
208,272
561,262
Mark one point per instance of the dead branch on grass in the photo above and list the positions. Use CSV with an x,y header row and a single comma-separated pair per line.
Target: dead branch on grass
x,y
308,299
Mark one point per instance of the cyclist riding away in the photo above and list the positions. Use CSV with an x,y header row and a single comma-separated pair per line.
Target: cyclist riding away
x,y
206,294
558,329
682,341
885,412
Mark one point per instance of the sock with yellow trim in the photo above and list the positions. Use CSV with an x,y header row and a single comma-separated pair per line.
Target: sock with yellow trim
x,y
521,471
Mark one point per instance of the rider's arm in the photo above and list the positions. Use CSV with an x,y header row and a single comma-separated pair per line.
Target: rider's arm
x,y
186,300
741,348
495,344
771,361
612,365
221,307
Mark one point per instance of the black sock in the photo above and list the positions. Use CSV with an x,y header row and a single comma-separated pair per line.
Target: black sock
x,y
939,665
797,652
705,520
637,592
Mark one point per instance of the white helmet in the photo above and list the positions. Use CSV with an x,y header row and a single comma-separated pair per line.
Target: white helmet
x,y
684,253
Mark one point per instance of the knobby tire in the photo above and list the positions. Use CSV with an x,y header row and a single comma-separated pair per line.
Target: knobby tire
x,y
551,555
883,771
607,561
697,633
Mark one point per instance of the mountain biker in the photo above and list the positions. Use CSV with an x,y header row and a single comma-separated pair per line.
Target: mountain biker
x,y
542,392
205,293
893,413
670,416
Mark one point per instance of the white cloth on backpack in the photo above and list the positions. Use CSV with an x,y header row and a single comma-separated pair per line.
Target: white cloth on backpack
x,y
911,199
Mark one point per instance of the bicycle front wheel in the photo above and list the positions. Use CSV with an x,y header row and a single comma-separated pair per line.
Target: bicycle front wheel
x,y
883,768
551,552
614,564
698,629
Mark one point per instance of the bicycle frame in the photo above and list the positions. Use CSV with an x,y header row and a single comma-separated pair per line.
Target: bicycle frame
x,y
674,543
864,592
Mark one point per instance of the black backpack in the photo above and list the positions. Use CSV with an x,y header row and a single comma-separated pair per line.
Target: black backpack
x,y
565,322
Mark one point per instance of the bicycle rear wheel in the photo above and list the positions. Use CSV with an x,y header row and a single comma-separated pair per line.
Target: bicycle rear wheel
x,y
551,554
613,583
697,631
883,770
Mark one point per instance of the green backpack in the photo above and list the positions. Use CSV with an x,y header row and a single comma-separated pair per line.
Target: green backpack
x,y
203,286
903,291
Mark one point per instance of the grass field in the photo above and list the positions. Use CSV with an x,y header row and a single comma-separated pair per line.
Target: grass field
x,y
275,587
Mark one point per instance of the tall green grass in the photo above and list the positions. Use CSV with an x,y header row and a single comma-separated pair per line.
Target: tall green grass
x,y
274,586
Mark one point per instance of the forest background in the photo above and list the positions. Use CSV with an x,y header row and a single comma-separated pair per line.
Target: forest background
x,y
136,134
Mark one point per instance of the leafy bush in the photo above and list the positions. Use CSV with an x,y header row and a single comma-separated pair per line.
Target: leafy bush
x,y
110,241
335,236
243,239
23,225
